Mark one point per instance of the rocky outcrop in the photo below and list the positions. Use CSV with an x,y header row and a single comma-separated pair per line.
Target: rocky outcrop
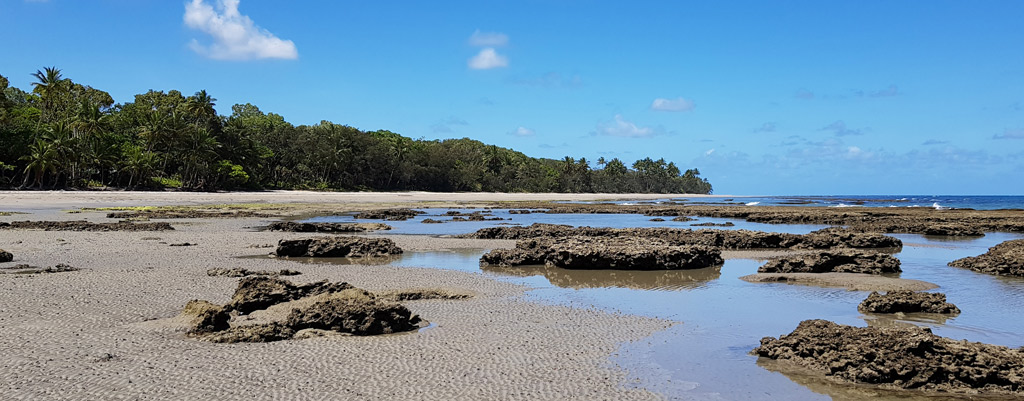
x,y
710,224
206,317
605,253
840,261
725,239
184,214
240,272
5,256
898,358
421,294
351,247
907,302
326,308
355,312
295,227
82,225
1005,259
683,218
260,292
388,214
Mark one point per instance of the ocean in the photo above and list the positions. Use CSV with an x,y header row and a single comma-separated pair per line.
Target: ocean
x,y
982,202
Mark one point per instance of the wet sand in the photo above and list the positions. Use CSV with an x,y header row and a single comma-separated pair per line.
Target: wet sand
x,y
92,333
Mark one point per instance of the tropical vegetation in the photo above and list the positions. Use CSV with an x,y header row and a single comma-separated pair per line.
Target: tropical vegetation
x,y
63,134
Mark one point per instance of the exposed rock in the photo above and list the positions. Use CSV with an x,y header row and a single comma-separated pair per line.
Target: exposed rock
x,y
907,302
420,294
353,311
657,219
726,239
240,272
523,211
5,256
954,230
711,224
683,218
899,358
352,247
184,214
82,225
296,227
259,333
431,221
841,261
206,317
389,214
1005,259
605,253
260,292
22,268
184,244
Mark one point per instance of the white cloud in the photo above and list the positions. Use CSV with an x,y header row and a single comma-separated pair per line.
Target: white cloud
x,y
487,59
523,131
677,104
488,39
620,127
235,36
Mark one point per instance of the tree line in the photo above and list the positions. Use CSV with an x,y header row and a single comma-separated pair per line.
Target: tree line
x,y
63,134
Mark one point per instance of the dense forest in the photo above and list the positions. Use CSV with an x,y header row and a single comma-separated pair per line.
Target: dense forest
x,y
64,134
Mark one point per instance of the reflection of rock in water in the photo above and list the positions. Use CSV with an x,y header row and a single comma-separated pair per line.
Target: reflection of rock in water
x,y
840,391
907,319
371,261
642,279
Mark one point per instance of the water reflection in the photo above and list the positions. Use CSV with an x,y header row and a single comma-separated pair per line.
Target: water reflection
x,y
670,280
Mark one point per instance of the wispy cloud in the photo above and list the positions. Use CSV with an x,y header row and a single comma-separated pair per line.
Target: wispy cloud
x,y
235,36
446,126
890,91
676,105
1010,134
488,58
839,128
804,94
548,80
488,39
622,128
934,142
766,127
523,132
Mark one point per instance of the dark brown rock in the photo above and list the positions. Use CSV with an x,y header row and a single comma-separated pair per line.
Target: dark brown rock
x,y
1005,259
726,239
240,272
353,311
206,317
5,256
291,226
605,253
388,214
710,224
82,225
898,358
683,218
840,261
907,302
352,247
260,292
260,333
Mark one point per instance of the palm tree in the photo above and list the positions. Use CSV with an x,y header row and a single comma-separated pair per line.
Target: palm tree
x,y
138,163
45,85
41,158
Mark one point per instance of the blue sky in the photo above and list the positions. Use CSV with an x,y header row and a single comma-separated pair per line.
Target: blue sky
x,y
786,97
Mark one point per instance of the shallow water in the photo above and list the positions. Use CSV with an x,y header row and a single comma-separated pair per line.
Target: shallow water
x,y
723,318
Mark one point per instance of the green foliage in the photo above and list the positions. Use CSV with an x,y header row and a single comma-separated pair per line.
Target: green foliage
x,y
64,134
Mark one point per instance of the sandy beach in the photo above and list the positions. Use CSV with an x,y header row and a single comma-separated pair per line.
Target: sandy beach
x,y
102,332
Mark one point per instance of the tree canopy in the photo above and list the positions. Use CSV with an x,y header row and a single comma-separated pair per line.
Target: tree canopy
x,y
65,134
